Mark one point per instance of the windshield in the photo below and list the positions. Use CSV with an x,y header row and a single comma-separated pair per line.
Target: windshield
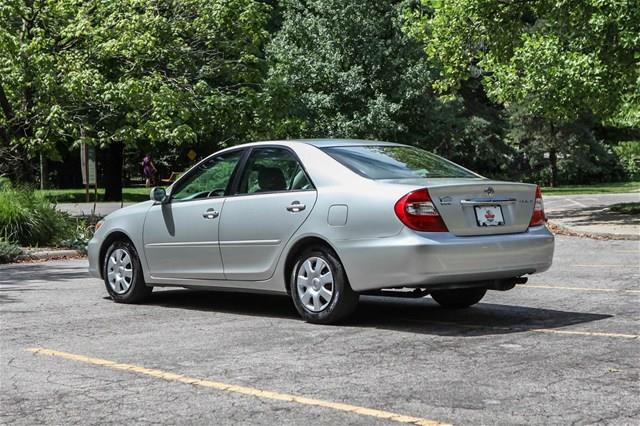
x,y
396,162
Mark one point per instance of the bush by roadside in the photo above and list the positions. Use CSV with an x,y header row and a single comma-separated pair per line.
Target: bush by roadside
x,y
27,218
8,251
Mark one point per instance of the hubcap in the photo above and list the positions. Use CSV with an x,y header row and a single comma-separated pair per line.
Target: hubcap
x,y
315,284
119,271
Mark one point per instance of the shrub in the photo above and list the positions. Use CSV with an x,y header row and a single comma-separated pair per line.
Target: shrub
x,y
27,218
80,234
5,182
629,154
8,251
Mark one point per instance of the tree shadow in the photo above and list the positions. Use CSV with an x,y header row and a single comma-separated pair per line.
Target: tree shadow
x,y
25,274
422,316
593,216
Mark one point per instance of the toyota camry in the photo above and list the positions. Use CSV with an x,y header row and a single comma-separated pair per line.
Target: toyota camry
x,y
325,221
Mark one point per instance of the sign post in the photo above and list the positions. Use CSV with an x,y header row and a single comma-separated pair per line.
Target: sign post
x,y
88,164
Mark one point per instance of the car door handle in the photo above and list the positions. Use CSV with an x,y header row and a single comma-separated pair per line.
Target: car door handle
x,y
210,214
296,207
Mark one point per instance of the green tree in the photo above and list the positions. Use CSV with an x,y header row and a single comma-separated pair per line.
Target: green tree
x,y
141,72
564,61
31,99
346,69
351,69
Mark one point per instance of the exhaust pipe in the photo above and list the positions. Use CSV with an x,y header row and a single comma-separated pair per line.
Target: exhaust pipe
x,y
508,284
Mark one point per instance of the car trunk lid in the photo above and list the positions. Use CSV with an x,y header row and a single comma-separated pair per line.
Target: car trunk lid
x,y
472,207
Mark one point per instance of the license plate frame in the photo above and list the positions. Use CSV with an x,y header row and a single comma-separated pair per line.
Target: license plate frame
x,y
487,216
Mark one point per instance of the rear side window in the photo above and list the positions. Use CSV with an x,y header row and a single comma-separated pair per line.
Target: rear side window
x,y
273,170
396,162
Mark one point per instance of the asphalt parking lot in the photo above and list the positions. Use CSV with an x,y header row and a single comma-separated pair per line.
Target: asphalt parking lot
x,y
562,349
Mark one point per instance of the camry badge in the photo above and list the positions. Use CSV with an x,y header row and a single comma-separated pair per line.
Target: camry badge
x,y
489,191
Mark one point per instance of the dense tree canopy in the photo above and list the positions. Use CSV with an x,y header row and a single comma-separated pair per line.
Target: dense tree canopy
x,y
348,68
130,72
555,56
540,90
560,68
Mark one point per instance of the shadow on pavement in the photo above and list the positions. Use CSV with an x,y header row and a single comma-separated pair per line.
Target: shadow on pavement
x,y
422,316
16,279
26,273
594,216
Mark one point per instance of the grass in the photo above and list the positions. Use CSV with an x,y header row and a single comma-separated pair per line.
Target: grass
x,y
129,195
626,208
592,189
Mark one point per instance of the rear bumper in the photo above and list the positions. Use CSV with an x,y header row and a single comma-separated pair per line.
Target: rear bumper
x,y
415,259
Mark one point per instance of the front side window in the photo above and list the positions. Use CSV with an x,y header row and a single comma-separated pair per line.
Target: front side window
x,y
211,179
273,170
396,162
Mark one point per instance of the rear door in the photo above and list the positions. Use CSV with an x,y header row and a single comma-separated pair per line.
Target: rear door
x,y
181,236
273,199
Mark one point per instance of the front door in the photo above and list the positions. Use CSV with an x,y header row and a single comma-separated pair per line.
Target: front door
x,y
273,199
181,236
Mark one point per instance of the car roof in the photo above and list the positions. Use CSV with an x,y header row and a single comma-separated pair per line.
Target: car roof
x,y
320,143
324,143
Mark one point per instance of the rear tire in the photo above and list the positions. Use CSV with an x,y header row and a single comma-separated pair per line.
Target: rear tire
x,y
319,287
122,272
458,298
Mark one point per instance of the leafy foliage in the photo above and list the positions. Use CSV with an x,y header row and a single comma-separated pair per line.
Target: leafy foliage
x,y
629,154
346,69
27,218
132,72
8,251
79,234
558,67
553,56
492,84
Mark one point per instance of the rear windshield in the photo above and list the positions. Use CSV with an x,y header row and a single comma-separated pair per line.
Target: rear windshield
x,y
396,162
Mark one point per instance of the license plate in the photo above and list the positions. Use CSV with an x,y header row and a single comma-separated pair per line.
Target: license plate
x,y
489,216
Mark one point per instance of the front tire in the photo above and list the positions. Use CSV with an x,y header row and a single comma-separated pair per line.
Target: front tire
x,y
458,298
319,287
122,274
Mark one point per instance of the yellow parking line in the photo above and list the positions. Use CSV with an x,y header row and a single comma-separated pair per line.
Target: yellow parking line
x,y
522,330
587,333
244,390
554,287
604,266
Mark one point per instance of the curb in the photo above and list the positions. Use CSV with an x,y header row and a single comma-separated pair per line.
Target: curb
x,y
564,230
49,255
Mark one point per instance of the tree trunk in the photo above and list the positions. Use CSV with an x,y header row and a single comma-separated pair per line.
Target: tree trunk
x,y
44,172
112,172
553,161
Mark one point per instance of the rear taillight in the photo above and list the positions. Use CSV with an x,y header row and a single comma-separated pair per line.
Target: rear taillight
x,y
538,217
416,210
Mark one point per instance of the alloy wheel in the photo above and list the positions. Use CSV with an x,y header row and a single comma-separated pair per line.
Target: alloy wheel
x,y
120,271
315,284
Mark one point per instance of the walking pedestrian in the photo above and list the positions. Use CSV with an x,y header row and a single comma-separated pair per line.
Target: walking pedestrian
x,y
149,170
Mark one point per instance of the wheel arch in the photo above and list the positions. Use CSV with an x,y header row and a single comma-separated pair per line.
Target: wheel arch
x,y
115,235
297,248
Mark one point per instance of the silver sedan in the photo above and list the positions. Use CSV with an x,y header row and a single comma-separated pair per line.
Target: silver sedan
x,y
325,221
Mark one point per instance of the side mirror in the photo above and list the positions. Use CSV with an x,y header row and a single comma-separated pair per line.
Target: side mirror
x,y
159,195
